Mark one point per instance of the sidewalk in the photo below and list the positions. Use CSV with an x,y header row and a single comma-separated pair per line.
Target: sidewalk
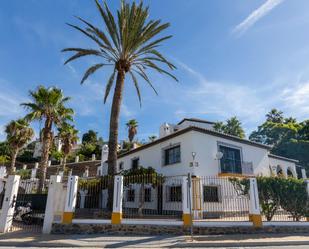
x,y
129,241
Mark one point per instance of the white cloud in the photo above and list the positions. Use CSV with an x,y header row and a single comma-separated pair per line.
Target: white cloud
x,y
296,99
220,98
256,15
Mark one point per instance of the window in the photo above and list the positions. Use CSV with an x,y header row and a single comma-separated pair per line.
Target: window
x,y
231,160
172,155
211,193
121,166
130,195
135,163
147,195
175,194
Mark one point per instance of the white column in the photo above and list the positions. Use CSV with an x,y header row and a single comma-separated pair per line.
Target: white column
x,y
50,204
77,159
254,204
303,174
8,207
117,200
186,201
71,197
93,157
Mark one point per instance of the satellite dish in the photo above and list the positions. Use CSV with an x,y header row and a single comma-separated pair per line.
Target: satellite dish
x,y
219,155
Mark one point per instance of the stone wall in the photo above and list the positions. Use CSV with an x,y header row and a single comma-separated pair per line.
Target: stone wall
x,y
175,230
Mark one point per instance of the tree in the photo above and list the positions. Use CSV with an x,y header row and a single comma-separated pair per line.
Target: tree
x,y
231,127
275,116
47,105
69,137
152,138
132,129
90,137
18,135
5,149
287,137
129,45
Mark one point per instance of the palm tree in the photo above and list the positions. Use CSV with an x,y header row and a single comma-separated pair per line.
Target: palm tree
x,y
48,105
132,129
152,138
18,135
69,137
129,45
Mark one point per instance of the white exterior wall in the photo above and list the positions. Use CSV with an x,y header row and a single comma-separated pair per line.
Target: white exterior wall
x,y
275,162
206,147
152,156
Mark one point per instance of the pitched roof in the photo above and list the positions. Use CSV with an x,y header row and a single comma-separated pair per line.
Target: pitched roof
x,y
283,158
197,129
196,120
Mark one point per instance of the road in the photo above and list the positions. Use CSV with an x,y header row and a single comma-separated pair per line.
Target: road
x,y
279,241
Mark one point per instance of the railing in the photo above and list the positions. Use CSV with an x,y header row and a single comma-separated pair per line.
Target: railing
x,y
152,196
92,197
215,199
236,167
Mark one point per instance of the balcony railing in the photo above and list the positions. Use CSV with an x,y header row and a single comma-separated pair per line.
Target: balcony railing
x,y
236,167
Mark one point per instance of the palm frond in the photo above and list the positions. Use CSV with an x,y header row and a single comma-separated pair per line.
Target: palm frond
x,y
109,85
141,72
136,87
81,53
91,70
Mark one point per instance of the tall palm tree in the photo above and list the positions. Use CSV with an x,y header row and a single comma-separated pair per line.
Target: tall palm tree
x,y
48,105
18,135
69,137
132,129
128,43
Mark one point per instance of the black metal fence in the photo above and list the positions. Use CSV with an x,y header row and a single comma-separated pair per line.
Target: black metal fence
x,y
92,197
30,207
215,199
152,197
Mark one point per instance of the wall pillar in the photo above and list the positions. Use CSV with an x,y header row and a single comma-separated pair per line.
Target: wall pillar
x,y
50,204
117,201
9,201
186,202
70,201
307,181
254,205
303,174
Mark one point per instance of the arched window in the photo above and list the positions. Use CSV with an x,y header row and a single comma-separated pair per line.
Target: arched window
x,y
279,171
289,173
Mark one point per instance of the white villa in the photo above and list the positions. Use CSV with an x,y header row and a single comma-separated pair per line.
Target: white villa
x,y
193,146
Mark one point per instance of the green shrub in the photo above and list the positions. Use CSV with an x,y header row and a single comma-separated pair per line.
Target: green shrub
x,y
274,192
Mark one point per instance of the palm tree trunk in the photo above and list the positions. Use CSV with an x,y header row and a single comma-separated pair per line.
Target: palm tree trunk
x,y
64,163
13,161
47,139
113,133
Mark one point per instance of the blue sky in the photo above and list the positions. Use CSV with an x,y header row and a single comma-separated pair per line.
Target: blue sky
x,y
234,58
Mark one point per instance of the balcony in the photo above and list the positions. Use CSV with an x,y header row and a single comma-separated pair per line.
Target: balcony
x,y
235,167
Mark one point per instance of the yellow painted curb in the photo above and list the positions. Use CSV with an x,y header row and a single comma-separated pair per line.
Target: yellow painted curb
x,y
116,218
187,219
67,217
256,220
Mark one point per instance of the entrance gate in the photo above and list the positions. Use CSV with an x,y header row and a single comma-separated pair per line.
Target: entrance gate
x,y
29,208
